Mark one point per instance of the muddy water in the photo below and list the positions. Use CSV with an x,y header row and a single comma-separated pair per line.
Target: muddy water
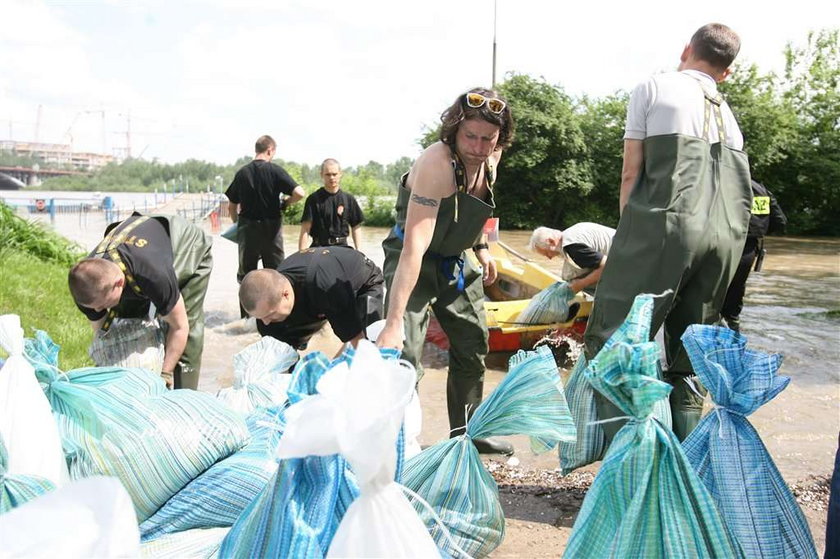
x,y
792,307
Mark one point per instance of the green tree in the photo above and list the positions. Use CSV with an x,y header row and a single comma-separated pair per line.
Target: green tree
x,y
546,172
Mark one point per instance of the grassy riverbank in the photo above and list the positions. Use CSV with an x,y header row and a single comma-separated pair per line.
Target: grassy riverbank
x,y
33,285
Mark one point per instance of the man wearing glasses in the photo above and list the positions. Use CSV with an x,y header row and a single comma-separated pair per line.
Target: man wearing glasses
x,y
442,205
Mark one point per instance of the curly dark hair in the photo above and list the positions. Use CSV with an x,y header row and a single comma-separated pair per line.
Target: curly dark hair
x,y
459,111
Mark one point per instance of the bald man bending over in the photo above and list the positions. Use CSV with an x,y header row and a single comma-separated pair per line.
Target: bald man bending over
x,y
338,285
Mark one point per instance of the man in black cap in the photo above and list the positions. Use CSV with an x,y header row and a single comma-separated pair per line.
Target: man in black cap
x,y
338,285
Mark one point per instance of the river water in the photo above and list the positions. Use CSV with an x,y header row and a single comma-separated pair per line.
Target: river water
x,y
792,307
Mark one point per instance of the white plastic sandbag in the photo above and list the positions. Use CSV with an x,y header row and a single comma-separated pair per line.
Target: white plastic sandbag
x,y
91,517
130,343
358,411
258,379
413,421
26,420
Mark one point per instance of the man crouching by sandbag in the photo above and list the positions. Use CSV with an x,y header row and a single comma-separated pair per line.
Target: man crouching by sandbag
x,y
334,284
157,259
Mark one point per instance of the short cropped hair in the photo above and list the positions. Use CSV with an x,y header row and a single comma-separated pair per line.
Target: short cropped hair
x,y
264,143
328,161
540,236
459,111
264,284
90,279
716,44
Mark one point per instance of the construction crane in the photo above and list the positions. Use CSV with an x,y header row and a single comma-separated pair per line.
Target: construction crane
x,y
69,133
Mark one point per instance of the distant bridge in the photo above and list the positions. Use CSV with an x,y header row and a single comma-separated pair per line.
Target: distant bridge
x,y
15,178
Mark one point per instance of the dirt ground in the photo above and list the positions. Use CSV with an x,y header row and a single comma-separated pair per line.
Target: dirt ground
x,y
540,506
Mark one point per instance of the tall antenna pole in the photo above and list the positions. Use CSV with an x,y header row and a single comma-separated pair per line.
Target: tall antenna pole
x,y
494,44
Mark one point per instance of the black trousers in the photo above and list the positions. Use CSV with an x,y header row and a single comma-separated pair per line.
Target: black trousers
x,y
734,302
259,239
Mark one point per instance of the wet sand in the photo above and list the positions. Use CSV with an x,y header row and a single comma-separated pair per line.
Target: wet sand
x,y
787,310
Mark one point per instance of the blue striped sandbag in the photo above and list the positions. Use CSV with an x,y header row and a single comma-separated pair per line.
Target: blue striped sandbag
x,y
218,496
646,500
549,306
258,375
727,452
590,444
199,543
124,423
17,489
298,512
450,476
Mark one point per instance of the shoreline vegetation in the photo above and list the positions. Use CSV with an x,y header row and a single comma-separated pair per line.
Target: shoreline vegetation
x,y
33,285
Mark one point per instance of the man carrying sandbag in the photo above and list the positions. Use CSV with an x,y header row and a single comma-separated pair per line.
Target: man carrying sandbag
x,y
335,284
162,260
583,246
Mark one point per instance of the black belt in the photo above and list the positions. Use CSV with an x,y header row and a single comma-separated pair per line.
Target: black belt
x,y
328,241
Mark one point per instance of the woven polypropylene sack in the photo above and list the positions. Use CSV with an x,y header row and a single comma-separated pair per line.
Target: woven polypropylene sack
x,y
298,512
197,543
728,453
218,496
646,500
259,379
26,420
18,489
450,475
130,342
123,422
591,445
549,306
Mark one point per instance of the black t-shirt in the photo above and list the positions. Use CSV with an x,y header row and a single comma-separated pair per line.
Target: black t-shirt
x,y
331,215
257,188
147,255
330,284
584,256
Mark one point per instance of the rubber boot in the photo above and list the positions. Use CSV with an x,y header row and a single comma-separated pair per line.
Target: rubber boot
x,y
686,404
463,395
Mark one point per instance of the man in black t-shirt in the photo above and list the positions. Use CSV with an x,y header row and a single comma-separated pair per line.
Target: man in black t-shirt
x,y
256,197
330,214
144,260
584,247
338,285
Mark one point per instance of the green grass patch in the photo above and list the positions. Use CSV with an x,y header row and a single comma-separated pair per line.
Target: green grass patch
x,y
37,292
30,237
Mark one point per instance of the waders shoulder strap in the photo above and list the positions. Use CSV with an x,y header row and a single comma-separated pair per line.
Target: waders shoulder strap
x,y
108,246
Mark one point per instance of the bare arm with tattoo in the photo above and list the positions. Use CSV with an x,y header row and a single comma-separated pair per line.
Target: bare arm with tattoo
x,y
430,180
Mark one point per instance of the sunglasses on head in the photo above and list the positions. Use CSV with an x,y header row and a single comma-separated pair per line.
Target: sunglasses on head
x,y
476,100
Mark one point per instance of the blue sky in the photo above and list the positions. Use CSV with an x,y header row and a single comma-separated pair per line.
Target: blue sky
x,y
355,80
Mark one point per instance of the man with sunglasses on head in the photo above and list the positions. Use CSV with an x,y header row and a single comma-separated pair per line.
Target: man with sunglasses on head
x,y
442,205
684,202
259,192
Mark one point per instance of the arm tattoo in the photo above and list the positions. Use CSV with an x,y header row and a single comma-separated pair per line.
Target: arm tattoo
x,y
424,201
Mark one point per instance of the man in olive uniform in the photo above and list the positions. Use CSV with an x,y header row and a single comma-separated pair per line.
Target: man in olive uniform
x,y
338,285
160,260
685,203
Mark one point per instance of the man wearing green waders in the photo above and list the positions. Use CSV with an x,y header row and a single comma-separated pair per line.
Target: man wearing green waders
x,y
442,205
685,204
162,260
